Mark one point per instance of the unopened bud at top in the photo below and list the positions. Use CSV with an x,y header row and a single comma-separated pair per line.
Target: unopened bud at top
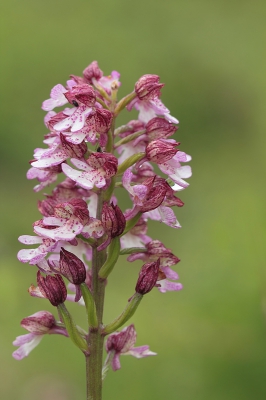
x,y
52,288
148,87
113,219
148,277
72,267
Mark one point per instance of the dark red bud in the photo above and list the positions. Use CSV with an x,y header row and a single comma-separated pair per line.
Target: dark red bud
x,y
53,288
72,267
148,277
113,219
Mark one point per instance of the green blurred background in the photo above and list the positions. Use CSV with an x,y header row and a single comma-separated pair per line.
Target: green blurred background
x,y
211,337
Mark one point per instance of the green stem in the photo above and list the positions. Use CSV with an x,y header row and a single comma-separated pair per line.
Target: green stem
x,y
124,102
112,257
129,138
101,102
72,330
95,338
123,128
129,162
130,309
131,250
90,306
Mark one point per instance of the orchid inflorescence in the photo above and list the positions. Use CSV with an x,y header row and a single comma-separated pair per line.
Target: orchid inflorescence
x,y
83,231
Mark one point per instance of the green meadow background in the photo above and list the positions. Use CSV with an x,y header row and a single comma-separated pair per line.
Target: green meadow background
x,y
211,337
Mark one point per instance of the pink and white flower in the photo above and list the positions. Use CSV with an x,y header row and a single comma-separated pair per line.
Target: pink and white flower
x,y
39,324
94,172
70,219
60,151
75,119
34,256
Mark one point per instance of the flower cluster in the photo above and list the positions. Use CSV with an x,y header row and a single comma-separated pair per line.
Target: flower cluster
x,y
82,230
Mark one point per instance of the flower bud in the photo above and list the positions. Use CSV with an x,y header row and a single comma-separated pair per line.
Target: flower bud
x,y
148,87
92,71
113,219
158,128
148,277
73,150
52,288
84,94
159,151
72,267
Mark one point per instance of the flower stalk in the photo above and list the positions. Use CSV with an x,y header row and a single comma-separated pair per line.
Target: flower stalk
x,y
72,330
95,338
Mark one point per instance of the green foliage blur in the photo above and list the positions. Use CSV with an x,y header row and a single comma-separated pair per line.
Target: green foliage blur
x,y
211,337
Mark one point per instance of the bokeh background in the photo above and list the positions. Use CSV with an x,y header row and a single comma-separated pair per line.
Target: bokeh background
x,y
211,337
